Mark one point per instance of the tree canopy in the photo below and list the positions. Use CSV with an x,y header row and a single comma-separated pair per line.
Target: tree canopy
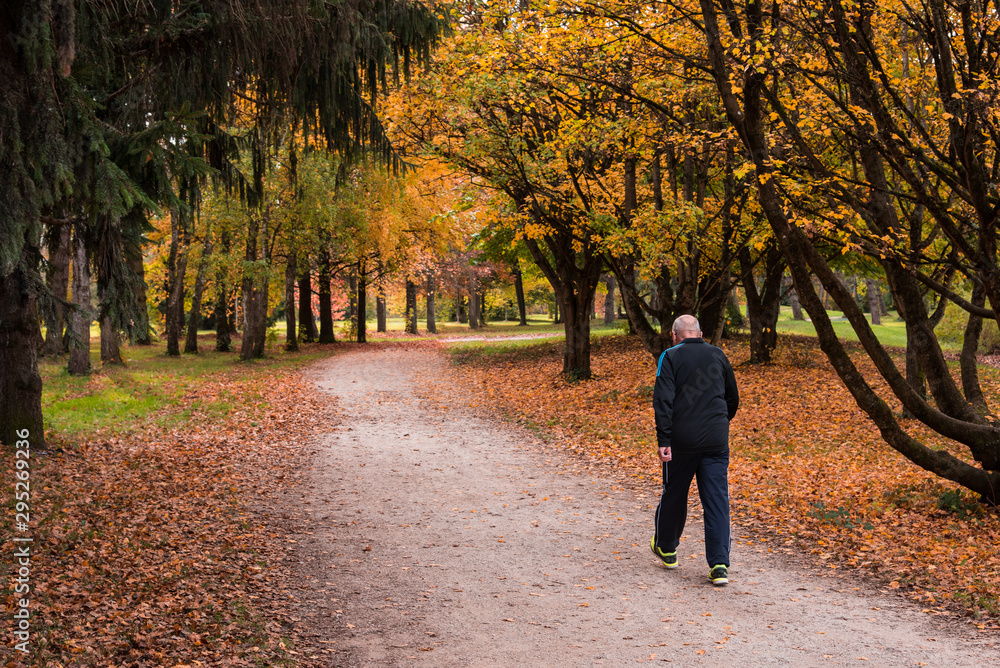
x,y
113,110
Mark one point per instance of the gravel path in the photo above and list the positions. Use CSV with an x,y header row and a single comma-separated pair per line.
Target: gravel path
x,y
442,538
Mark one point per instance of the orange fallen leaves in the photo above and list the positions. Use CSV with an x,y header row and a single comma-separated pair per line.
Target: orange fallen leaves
x,y
809,471
153,549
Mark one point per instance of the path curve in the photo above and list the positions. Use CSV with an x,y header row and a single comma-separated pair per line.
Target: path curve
x,y
443,538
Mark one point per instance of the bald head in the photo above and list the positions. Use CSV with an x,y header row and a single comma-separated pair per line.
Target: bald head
x,y
686,327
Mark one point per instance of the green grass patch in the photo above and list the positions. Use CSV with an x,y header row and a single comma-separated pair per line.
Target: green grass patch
x,y
892,331
150,389
511,351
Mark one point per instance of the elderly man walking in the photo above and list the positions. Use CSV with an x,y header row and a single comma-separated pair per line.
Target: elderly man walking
x,y
694,398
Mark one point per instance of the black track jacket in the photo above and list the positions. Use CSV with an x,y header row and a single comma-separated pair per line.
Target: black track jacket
x,y
694,398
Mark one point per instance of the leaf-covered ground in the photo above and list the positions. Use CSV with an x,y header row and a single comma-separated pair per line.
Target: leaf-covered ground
x,y
809,472
151,540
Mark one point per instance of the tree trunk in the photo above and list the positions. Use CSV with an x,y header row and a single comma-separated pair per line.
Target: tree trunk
x,y
254,291
915,376
576,356
57,279
110,339
254,318
718,286
431,315
970,347
574,278
712,316
873,301
735,319
609,299
223,324
223,336
194,317
176,269
623,309
461,314
411,307
110,343
233,311
362,327
79,352
764,305
380,312
291,338
473,306
20,382
352,291
108,253
307,321
482,307
522,309
639,323
143,335
325,306
556,312
914,373
793,299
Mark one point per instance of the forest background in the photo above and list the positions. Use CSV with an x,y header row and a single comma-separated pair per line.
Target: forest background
x,y
191,179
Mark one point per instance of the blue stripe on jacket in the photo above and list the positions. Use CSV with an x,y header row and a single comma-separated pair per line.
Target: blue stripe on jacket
x,y
659,364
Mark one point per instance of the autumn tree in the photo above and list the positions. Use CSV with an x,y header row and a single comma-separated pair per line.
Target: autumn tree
x,y
677,215
887,155
505,126
607,152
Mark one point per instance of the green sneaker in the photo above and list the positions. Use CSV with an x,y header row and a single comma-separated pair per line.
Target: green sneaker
x,y
719,575
669,559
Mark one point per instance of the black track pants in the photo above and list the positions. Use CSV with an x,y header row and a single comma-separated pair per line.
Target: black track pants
x,y
712,471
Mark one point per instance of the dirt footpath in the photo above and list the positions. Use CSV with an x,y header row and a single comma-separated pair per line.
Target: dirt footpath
x,y
442,538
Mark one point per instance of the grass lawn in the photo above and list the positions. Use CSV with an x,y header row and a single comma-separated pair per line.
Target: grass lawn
x,y
148,390
892,331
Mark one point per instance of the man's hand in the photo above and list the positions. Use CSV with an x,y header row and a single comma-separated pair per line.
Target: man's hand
x,y
665,455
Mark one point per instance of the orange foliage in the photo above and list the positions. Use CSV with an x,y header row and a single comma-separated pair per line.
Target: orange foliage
x,y
809,471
